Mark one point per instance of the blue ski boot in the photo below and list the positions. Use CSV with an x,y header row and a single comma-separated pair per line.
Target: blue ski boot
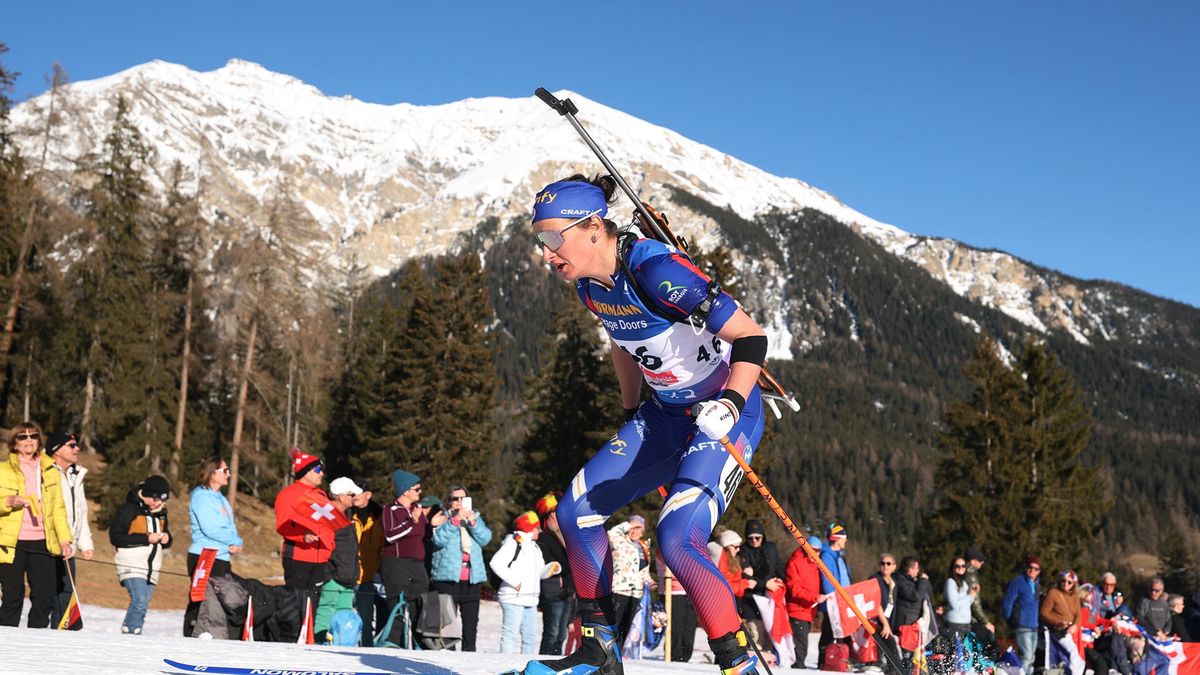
x,y
729,651
598,651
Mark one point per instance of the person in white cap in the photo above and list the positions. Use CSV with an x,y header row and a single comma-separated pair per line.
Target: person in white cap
x,y
337,593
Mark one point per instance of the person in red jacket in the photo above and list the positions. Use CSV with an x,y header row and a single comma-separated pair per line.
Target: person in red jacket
x,y
731,565
803,583
304,553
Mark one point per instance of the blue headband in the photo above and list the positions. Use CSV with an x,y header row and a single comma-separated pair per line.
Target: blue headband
x,y
569,199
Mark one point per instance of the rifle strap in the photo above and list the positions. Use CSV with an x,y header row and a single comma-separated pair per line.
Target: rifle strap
x,y
698,316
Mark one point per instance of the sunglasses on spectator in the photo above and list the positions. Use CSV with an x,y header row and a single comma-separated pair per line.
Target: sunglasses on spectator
x,y
1035,568
553,239
224,470
960,566
1156,590
455,498
28,437
887,563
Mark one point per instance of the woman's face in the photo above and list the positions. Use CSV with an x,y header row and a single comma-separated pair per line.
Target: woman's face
x,y
26,442
220,477
570,259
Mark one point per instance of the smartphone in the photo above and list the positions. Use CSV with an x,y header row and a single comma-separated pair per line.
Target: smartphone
x,y
465,505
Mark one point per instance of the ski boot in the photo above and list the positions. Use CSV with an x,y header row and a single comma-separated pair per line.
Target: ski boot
x,y
598,652
729,651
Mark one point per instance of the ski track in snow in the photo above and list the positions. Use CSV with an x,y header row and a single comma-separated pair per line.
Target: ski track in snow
x,y
101,648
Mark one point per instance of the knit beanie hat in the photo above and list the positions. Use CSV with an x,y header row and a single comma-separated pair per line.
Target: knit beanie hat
x,y
56,441
815,542
155,487
546,505
402,480
835,531
729,538
302,462
755,527
526,522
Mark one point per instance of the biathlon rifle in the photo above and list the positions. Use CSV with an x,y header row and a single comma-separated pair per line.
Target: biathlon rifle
x,y
654,225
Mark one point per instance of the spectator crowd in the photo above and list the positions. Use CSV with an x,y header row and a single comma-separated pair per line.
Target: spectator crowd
x,y
412,571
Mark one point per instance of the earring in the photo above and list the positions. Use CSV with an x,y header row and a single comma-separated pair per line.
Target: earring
x,y
593,238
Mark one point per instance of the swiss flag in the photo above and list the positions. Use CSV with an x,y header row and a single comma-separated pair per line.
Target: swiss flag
x,y
316,513
865,594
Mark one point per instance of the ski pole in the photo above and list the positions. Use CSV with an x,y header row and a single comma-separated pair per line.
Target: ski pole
x,y
799,537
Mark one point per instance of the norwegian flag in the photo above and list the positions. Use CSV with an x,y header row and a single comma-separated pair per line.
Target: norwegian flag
x,y
316,513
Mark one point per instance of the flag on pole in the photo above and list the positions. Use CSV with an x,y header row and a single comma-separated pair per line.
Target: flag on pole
x,y
306,630
71,618
248,626
773,608
865,595
200,576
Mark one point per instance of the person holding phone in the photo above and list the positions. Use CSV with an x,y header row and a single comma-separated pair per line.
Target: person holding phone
x,y
458,565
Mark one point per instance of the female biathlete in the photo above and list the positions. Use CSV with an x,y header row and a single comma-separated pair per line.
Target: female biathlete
x,y
693,346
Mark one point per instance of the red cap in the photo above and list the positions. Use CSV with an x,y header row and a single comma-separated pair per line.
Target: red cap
x,y
527,522
302,463
546,504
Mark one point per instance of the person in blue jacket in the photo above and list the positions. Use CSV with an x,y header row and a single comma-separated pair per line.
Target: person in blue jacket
x,y
213,526
458,566
1020,606
835,559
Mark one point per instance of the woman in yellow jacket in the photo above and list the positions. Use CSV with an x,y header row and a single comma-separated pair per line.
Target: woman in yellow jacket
x,y
33,528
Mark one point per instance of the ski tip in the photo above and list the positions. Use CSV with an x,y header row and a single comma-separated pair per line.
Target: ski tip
x,y
239,670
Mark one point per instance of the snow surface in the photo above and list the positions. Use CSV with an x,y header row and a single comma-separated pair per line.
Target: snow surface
x,y
101,648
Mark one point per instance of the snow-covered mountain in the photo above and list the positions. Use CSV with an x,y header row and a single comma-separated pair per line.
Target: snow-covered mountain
x,y
387,182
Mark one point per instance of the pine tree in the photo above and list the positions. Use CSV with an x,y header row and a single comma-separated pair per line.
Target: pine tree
x,y
574,404
1009,474
444,381
130,386
983,493
1068,507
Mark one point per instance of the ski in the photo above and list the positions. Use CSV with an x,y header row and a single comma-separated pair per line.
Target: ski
x,y
234,670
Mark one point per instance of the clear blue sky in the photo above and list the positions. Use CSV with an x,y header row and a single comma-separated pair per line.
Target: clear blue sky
x,y
1067,133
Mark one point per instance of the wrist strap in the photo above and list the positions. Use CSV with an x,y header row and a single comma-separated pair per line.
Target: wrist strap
x,y
738,401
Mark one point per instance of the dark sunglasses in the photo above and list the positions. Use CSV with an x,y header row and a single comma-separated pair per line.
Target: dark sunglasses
x,y
959,567
28,437
553,239
887,563
455,498
1035,568
318,469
